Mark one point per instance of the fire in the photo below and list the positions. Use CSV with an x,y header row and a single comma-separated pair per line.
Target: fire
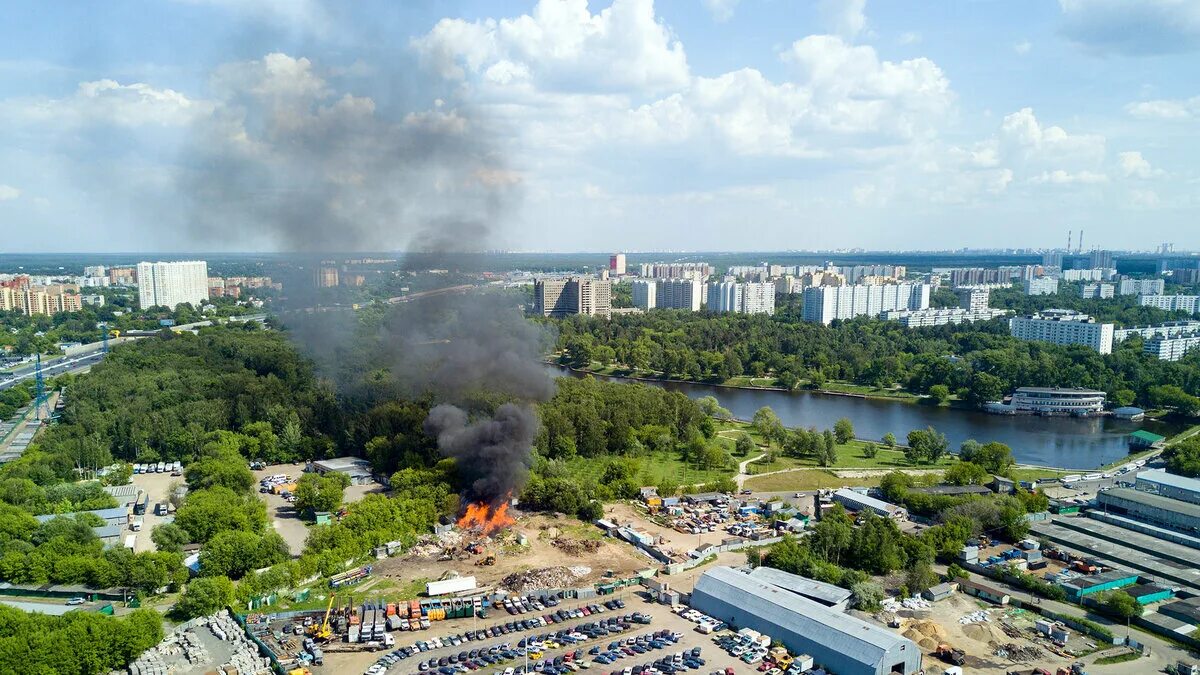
x,y
485,518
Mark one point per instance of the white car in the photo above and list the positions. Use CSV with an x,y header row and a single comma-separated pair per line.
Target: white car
x,y
76,601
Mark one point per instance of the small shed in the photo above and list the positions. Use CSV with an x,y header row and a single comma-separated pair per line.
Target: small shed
x,y
984,592
322,517
1004,486
1144,440
939,592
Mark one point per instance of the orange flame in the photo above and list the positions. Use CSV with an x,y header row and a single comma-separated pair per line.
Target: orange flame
x,y
485,518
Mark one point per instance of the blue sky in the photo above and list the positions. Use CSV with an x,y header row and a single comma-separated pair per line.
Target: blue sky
x,y
624,124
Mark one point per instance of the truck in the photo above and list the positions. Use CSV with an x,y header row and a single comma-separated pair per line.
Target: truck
x,y
130,541
449,586
160,509
139,506
950,655
136,524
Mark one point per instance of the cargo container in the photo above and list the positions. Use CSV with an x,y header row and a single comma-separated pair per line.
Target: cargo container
x,y
130,541
281,488
449,586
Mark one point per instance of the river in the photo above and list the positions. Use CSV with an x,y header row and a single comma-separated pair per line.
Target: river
x,y
1076,443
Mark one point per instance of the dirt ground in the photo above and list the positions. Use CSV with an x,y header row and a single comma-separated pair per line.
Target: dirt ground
x,y
284,518
682,543
539,530
156,485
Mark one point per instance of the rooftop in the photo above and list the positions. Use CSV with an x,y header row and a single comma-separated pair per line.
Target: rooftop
x,y
114,513
865,500
826,594
1151,500
953,490
1143,435
350,465
1059,390
991,590
1161,477
1093,580
1144,589
847,635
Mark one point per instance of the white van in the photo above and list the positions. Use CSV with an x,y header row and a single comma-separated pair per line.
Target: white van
x,y
1073,478
1093,476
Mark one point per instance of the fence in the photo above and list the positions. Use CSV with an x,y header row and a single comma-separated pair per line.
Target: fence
x,y
680,567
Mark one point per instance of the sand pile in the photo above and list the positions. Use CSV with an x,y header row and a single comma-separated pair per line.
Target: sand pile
x,y
979,631
927,634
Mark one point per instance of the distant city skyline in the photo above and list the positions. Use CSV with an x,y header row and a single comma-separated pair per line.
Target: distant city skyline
x,y
568,126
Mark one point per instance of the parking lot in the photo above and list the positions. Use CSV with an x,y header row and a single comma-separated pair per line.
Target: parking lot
x,y
157,486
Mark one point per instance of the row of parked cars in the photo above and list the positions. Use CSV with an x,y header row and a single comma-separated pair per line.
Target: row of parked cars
x,y
516,604
704,623
643,644
533,646
173,468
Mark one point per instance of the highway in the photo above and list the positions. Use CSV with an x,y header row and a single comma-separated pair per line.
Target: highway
x,y
66,365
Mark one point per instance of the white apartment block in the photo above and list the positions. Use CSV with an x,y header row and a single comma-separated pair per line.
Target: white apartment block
x,y
1094,274
974,298
758,298
645,294
1171,303
824,304
680,294
724,296
1172,348
743,298
170,284
558,297
1041,286
1096,291
922,318
1063,327
1168,329
674,270
1141,287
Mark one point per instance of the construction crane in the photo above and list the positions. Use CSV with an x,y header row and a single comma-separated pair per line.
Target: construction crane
x,y
322,631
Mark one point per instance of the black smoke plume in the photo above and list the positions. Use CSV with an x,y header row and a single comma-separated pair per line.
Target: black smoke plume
x,y
494,455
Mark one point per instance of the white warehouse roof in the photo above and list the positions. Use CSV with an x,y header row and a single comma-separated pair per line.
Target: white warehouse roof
x,y
826,594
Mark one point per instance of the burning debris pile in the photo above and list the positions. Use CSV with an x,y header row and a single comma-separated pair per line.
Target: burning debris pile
x,y
546,577
486,519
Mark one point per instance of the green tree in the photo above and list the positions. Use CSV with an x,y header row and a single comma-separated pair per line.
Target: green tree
x,y
994,457
1174,397
870,450
1123,397
220,465
920,578
1183,458
867,596
315,492
169,537
966,473
710,407
208,512
889,440
1121,605
744,445
204,596
768,425
843,431
939,394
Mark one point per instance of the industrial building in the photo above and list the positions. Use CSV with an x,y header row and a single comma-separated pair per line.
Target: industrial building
x,y
831,596
1152,508
856,501
1083,586
1159,482
1063,327
837,641
117,515
357,468
983,591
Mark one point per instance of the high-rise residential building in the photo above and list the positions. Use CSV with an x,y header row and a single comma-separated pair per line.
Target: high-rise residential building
x,y
560,297
724,296
34,299
973,298
645,294
94,271
1168,329
1052,259
1041,286
758,298
748,297
1172,348
1094,274
1185,275
1171,303
681,293
824,304
1096,291
616,263
1063,327
970,276
1141,287
920,318
888,273
325,277
1101,260
675,270
92,300
169,284
122,276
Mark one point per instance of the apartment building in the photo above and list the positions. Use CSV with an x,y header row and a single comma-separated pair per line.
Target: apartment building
x,y
169,284
1063,327
1172,347
616,263
743,298
824,304
560,297
1168,329
1041,286
30,299
1093,274
973,298
681,293
645,294
922,318
1096,291
1171,303
1141,287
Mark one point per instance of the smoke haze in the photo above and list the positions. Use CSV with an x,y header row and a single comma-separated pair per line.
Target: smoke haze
x,y
494,455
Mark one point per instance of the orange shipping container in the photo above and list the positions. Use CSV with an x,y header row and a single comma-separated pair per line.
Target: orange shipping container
x,y
284,487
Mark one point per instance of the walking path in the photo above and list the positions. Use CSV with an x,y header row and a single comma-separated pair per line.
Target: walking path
x,y
741,474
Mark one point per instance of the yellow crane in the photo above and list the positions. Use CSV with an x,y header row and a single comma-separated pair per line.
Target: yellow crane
x,y
321,631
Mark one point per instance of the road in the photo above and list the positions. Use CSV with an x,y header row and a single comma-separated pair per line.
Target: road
x,y
85,357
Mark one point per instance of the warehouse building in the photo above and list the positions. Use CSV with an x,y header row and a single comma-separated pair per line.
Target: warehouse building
x,y
856,501
829,595
1187,611
978,590
1159,482
117,515
1152,508
1148,593
1081,587
357,468
839,642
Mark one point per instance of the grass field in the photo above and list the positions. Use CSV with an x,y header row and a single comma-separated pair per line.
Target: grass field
x,y
653,468
808,479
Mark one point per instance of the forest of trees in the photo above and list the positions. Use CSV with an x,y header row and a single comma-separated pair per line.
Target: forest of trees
x,y
979,362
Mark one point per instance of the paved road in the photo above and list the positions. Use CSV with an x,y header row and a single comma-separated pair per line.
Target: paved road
x,y
66,365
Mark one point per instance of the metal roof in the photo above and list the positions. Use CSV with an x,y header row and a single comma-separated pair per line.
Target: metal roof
x,y
1144,435
865,501
1151,500
1161,477
1057,390
851,637
115,513
1100,579
812,589
352,466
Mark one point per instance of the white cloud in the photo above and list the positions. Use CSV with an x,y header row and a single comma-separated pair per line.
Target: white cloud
x,y
1022,48
563,47
1166,109
1133,165
109,102
909,38
1144,198
1061,177
8,193
721,10
846,18
1022,134
1135,27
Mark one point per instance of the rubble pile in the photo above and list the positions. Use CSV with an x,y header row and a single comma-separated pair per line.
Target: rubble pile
x,y
546,577
1018,653
182,650
576,547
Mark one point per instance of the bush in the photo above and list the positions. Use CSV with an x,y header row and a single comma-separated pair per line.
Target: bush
x,y
205,596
